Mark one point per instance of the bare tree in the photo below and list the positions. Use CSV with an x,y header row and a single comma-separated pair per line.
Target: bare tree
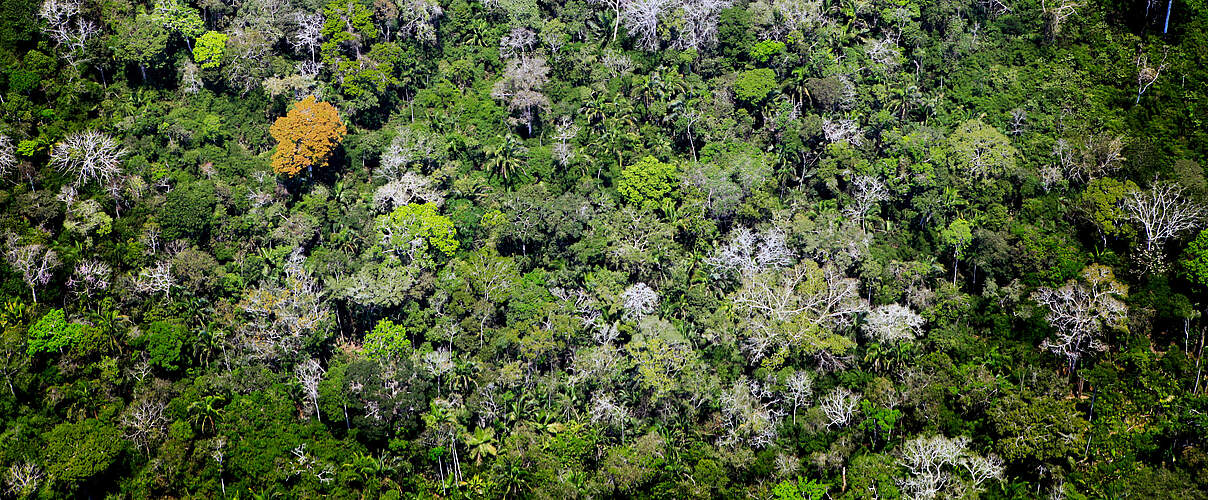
x,y
8,155
749,414
798,389
1147,75
893,323
68,27
607,411
884,52
842,130
866,192
23,480
934,461
698,23
156,279
747,253
418,19
309,373
639,300
35,262
562,150
798,310
1081,310
1019,121
1162,213
280,316
411,148
408,188
642,17
90,276
309,35
839,406
1059,12
521,86
87,156
145,422
801,14
517,43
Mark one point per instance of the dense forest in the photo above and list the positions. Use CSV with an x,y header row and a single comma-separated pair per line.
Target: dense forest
x,y
790,249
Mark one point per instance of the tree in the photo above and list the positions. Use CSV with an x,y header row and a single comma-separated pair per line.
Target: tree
x,y
78,451
747,253
1195,260
141,40
801,310
387,342
52,333
1102,204
283,316
893,323
957,236
697,26
410,231
156,279
34,261
1163,213
839,406
348,25
649,183
935,461
754,86
980,152
520,87
8,155
506,156
309,373
642,18
866,192
180,19
481,444
306,136
68,26
88,156
639,300
1081,311
209,49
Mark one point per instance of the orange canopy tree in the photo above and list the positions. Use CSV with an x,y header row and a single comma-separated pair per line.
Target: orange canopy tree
x,y
306,136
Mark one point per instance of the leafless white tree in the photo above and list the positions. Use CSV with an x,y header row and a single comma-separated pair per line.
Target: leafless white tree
x,y
517,43
697,28
90,276
749,414
747,253
1081,310
867,192
798,309
87,156
798,389
418,18
1019,121
281,315
305,464
839,406
410,148
408,188
639,300
642,18
616,6
933,462
893,323
309,373
1147,74
562,150
884,52
801,14
1059,12
156,279
309,35
34,261
67,26
521,86
23,479
1162,213
145,422
8,155
609,412
842,130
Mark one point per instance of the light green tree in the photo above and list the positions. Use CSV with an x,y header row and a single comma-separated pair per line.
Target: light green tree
x,y
209,49
648,183
957,236
411,231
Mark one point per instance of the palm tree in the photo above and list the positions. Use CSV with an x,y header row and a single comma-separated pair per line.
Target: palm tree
x,y
481,444
506,157
205,410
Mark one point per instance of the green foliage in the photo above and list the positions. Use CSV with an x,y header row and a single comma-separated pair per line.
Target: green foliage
x,y
209,49
78,452
387,341
52,333
1195,260
411,230
801,489
766,49
649,183
754,86
165,343
188,211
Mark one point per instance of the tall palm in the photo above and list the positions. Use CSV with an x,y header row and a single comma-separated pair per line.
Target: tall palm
x,y
481,444
506,157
